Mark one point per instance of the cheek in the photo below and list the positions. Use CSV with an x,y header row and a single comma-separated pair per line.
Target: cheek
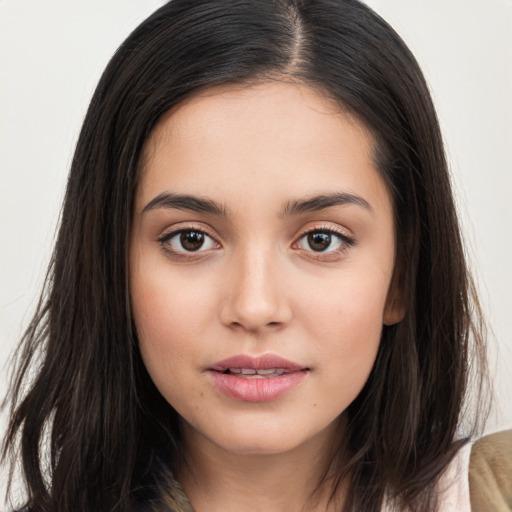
x,y
351,304
161,314
347,323
166,299
168,319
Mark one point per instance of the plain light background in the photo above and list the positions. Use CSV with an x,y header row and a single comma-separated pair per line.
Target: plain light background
x,y
52,53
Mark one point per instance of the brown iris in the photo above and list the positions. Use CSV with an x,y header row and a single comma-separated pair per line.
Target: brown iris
x,y
192,240
319,241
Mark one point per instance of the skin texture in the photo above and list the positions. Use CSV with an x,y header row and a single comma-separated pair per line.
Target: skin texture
x,y
257,287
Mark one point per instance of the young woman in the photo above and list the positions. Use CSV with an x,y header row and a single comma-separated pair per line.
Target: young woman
x,y
258,298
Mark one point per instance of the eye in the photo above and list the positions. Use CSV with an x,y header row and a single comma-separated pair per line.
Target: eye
x,y
324,241
185,241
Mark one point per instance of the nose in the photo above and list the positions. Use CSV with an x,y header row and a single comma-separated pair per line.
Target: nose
x,y
255,296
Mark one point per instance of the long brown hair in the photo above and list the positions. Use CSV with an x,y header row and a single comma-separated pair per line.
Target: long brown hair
x,y
93,432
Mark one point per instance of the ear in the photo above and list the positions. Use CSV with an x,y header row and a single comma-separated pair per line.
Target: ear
x,y
395,308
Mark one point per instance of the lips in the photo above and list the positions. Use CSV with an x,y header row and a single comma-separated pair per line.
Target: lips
x,y
256,379
249,373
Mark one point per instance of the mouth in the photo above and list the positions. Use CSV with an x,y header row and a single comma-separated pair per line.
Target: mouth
x,y
263,366
251,373
256,379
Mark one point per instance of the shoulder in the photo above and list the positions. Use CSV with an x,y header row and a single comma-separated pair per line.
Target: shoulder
x,y
490,473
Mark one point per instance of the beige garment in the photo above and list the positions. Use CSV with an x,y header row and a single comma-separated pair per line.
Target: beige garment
x,y
479,479
490,473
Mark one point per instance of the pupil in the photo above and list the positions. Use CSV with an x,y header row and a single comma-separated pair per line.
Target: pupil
x,y
191,240
319,241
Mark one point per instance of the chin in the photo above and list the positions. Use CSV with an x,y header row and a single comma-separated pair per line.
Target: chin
x,y
266,435
259,444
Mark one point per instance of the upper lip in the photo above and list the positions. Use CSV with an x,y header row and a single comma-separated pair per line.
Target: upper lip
x,y
263,362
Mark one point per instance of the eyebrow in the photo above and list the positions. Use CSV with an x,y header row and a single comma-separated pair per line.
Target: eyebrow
x,y
290,208
185,202
323,201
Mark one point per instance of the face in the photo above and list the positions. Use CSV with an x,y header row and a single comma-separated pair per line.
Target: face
x,y
261,259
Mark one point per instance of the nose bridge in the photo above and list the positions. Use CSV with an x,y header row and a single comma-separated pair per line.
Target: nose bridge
x,y
256,297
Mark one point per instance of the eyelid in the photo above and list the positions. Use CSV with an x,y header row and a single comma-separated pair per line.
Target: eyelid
x,y
187,226
174,230
347,241
325,227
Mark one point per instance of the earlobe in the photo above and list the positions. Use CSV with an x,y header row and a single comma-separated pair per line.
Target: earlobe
x,y
395,309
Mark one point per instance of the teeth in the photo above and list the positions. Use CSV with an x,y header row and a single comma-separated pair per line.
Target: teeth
x,y
252,373
270,371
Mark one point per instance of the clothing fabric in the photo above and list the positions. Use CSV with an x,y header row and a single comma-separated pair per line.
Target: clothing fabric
x,y
479,479
454,485
490,473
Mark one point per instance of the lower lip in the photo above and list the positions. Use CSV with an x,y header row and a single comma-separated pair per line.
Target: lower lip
x,y
256,390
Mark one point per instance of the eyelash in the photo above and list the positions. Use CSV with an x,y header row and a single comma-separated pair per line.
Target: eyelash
x,y
345,243
166,239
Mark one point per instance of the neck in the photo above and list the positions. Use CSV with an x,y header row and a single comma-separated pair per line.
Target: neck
x,y
296,481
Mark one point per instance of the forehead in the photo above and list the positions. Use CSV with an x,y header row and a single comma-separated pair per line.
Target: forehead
x,y
277,94
279,107
249,138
